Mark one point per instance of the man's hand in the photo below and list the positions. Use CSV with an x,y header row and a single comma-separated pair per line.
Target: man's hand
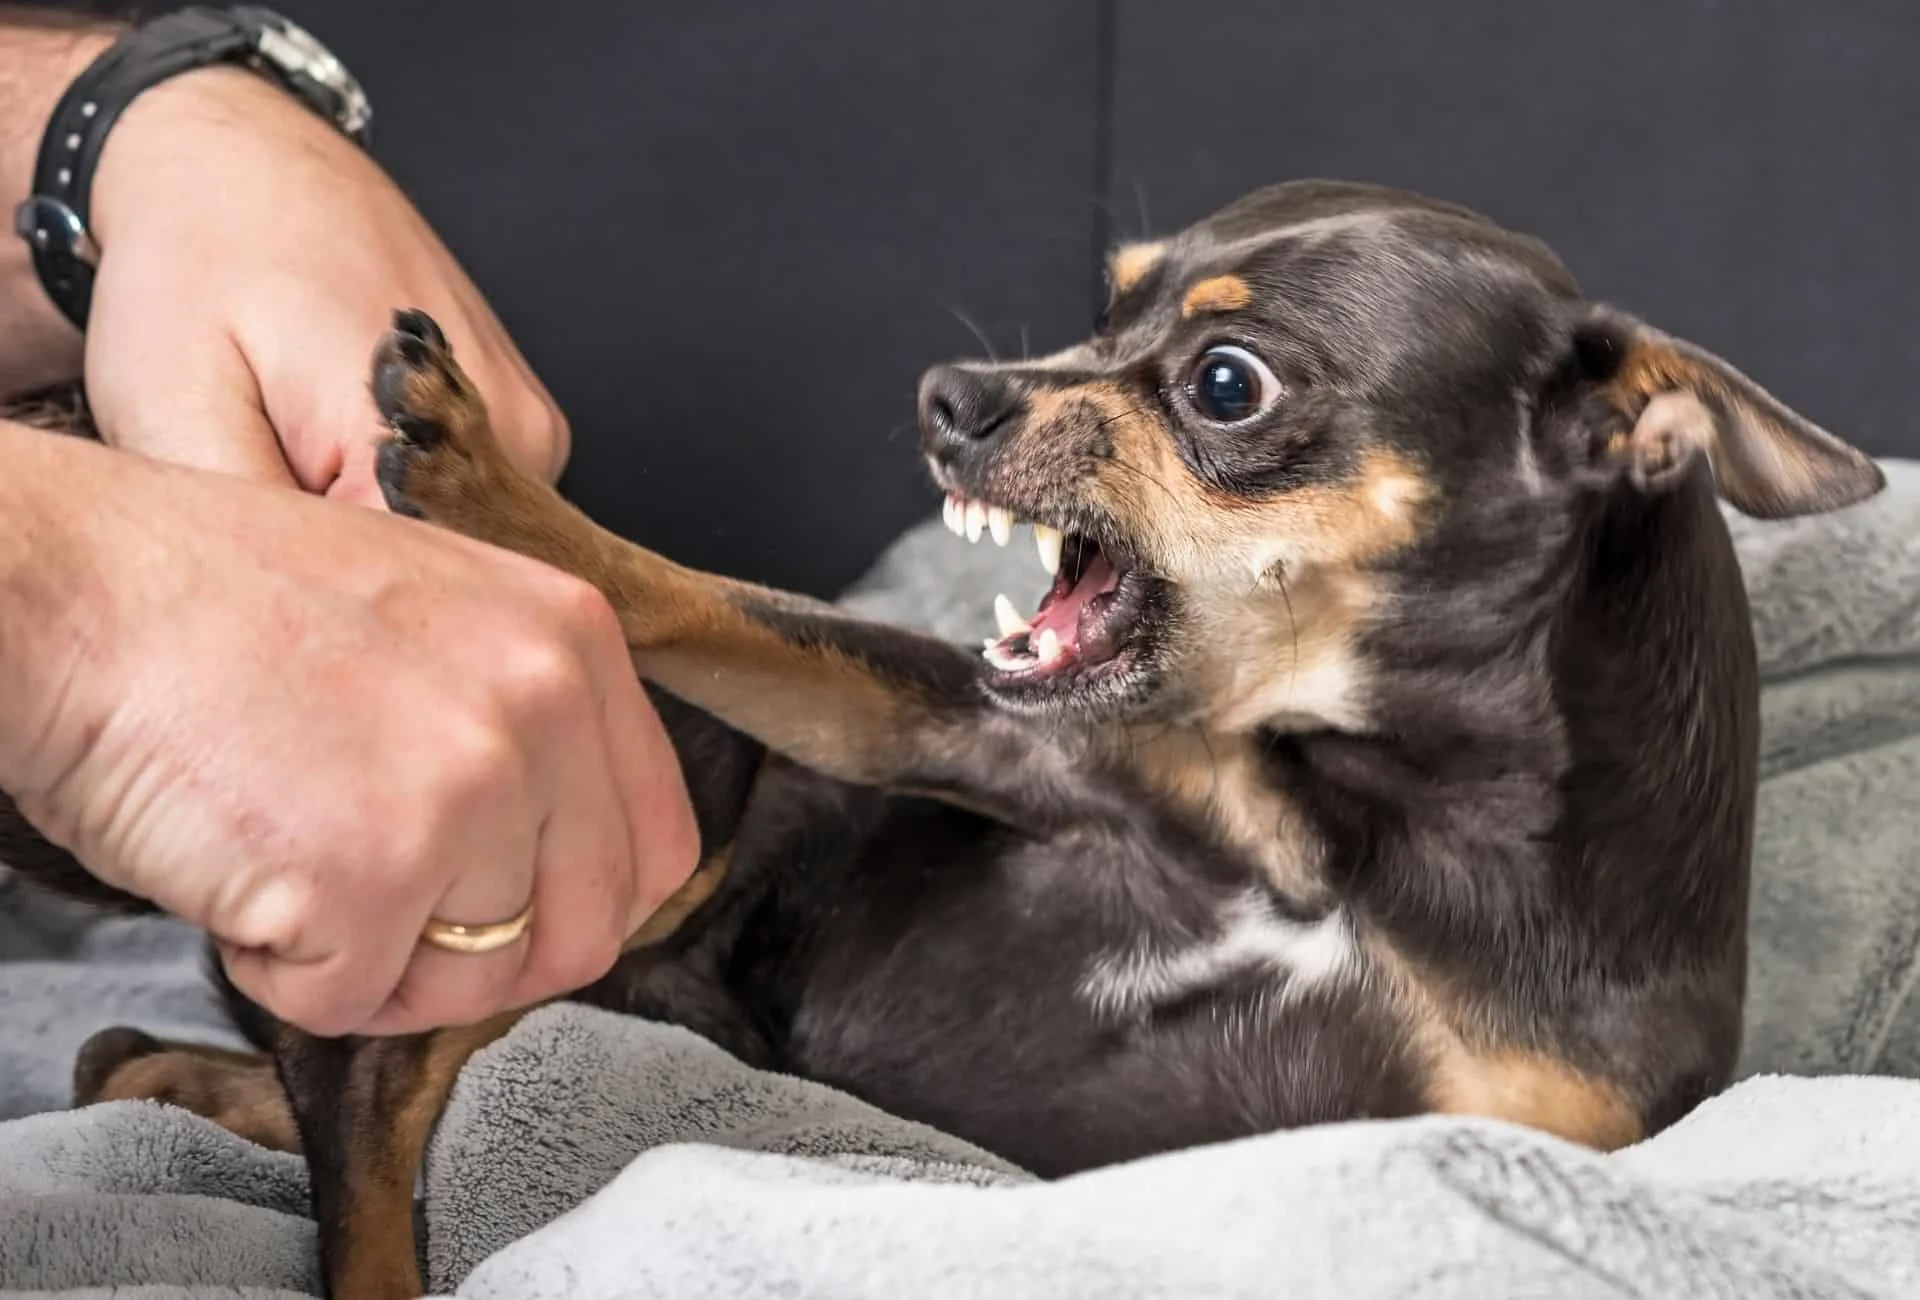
x,y
250,254
305,728
309,729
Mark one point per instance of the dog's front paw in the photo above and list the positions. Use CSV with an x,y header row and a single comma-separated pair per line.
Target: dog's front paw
x,y
438,422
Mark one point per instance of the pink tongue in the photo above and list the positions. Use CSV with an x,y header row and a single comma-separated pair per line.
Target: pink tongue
x,y
1062,613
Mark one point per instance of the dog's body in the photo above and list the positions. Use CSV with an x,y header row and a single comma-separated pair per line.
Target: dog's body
x,y
1387,744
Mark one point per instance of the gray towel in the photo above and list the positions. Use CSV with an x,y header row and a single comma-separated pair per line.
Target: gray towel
x,y
757,1185
588,1155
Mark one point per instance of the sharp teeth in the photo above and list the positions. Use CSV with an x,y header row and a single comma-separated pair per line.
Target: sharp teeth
x,y
951,512
1049,540
1006,660
1000,524
1048,647
976,520
1008,617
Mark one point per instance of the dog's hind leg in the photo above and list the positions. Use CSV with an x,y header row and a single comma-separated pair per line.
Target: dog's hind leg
x,y
360,1109
855,700
365,1108
237,1090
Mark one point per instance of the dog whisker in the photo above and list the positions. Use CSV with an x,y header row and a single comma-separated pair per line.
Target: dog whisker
x,y
980,335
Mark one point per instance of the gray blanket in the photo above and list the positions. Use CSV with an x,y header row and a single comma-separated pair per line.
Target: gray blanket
x,y
587,1155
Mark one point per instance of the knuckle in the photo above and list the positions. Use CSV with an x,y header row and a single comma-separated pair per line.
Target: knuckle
x,y
480,761
573,964
585,609
276,914
546,672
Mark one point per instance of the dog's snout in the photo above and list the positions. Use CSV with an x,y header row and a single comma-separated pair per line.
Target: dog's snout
x,y
961,409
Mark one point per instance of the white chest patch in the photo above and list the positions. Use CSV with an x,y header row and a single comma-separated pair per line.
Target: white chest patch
x,y
1252,936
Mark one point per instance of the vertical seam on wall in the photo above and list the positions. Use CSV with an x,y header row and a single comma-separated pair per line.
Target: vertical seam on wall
x,y
1106,20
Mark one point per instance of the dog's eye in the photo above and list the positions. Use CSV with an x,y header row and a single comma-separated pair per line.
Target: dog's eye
x,y
1230,384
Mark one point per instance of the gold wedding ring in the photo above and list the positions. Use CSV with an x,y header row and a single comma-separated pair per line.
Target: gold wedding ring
x,y
472,939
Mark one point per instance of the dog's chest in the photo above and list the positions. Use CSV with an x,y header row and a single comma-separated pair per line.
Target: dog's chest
x,y
1072,1002
1249,936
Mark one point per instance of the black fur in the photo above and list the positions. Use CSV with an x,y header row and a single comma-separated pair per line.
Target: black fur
x,y
1537,791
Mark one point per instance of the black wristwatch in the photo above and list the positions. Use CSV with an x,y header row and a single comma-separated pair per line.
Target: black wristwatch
x,y
53,219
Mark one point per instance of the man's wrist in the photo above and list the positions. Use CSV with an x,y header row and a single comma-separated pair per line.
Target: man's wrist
x,y
38,61
180,123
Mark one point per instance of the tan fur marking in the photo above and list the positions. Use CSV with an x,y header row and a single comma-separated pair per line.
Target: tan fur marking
x,y
239,1091
1372,515
1215,778
1286,657
1539,1092
1221,293
1471,1071
1277,589
1767,460
396,1107
1130,264
686,900
1660,391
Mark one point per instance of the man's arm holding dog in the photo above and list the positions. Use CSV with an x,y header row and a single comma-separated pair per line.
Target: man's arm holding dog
x,y
248,252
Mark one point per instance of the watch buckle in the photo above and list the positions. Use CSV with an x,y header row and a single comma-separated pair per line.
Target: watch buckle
x,y
49,225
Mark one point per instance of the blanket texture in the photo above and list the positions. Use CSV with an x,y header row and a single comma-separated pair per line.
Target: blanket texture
x,y
590,1155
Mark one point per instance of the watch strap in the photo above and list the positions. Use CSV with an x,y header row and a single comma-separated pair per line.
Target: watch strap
x,y
54,220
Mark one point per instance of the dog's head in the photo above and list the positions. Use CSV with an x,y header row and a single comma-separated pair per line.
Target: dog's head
x,y
1288,409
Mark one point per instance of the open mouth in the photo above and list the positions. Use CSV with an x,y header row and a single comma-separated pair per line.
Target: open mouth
x,y
1090,624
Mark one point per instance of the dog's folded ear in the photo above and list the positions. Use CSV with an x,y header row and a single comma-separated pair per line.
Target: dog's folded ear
x,y
1676,402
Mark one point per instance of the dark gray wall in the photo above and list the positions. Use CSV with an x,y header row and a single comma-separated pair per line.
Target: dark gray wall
x,y
730,235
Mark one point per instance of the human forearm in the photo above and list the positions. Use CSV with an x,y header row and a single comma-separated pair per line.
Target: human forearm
x,y
49,582
41,51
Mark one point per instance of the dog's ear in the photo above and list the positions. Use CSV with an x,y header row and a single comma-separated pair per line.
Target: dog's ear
x,y
1676,402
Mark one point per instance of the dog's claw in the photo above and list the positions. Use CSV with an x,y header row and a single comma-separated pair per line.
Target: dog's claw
x,y
414,323
405,359
431,410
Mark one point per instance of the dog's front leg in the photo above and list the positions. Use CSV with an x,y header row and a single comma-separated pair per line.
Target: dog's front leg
x,y
859,701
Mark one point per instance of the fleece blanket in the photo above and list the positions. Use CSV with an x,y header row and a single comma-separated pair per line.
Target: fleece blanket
x,y
590,1155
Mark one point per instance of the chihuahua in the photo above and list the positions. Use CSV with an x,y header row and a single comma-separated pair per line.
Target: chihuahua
x,y
1385,744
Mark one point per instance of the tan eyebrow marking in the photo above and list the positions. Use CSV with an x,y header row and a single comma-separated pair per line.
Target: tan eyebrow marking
x,y
1221,293
1131,262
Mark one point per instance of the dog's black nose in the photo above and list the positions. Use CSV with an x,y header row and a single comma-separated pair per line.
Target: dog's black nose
x,y
961,409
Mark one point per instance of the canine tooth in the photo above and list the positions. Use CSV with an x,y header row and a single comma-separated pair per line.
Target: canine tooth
x,y
1049,540
976,520
1008,617
1000,524
1048,646
950,511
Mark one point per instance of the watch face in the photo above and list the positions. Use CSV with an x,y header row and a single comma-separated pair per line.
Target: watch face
x,y
294,50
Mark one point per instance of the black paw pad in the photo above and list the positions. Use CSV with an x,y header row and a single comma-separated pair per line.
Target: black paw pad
x,y
390,472
414,323
104,1053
